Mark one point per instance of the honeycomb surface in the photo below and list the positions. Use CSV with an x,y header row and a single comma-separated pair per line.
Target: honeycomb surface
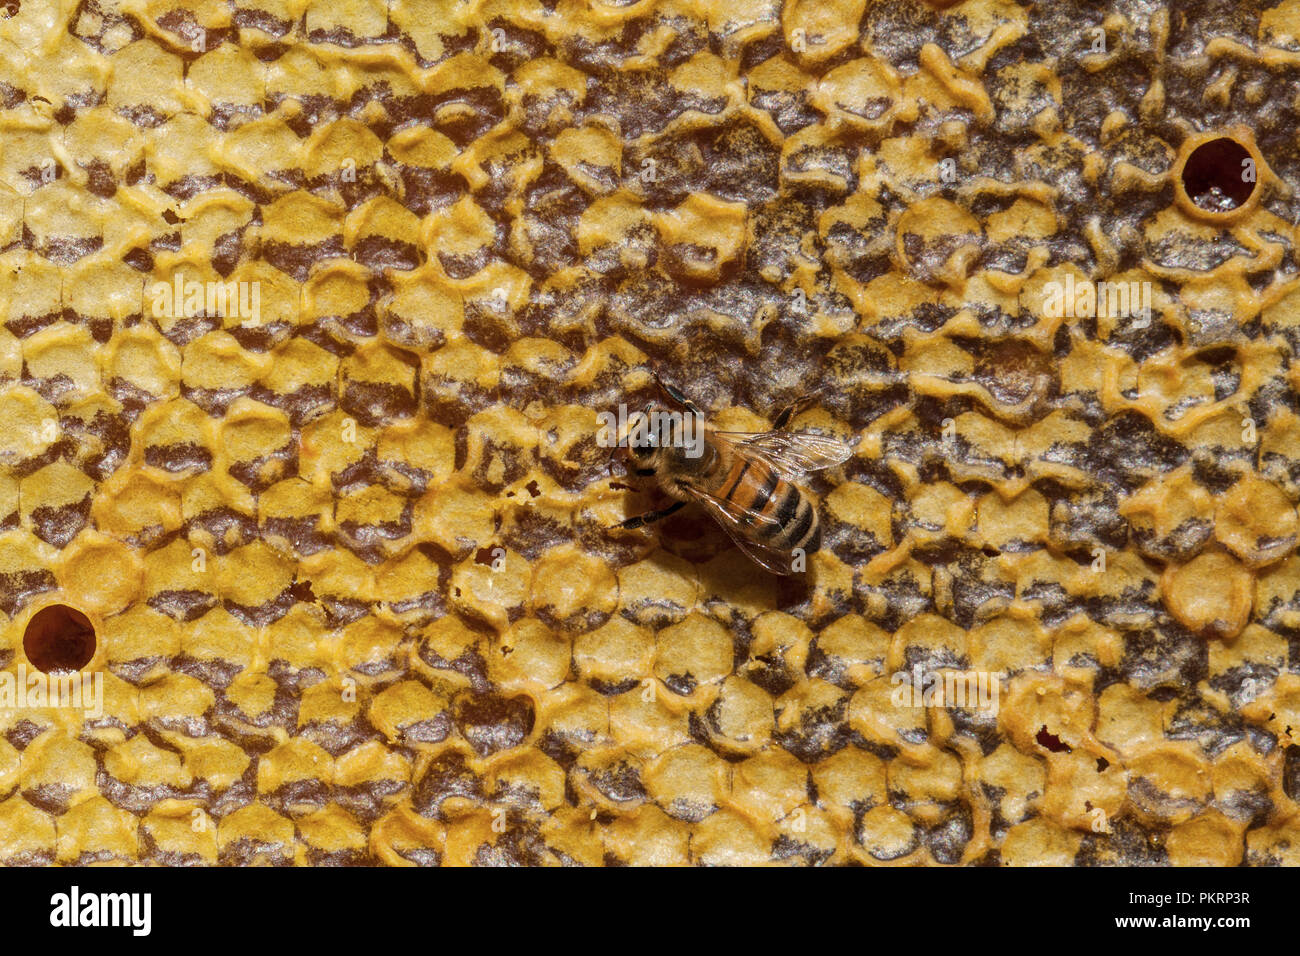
x,y
348,560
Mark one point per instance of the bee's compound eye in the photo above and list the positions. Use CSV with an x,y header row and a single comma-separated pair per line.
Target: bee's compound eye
x,y
638,436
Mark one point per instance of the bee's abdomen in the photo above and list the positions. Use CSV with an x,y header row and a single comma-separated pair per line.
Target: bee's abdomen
x,y
794,523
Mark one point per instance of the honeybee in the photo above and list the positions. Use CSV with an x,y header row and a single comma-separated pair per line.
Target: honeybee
x,y
745,480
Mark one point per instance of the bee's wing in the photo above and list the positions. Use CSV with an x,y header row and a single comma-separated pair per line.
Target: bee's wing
x,y
794,454
733,518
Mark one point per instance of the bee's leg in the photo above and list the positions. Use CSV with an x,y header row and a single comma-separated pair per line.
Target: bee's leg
x,y
799,404
609,465
650,517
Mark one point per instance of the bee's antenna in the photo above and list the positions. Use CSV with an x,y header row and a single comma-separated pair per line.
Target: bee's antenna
x,y
676,395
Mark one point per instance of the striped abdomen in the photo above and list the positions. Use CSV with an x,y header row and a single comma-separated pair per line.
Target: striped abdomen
x,y
754,485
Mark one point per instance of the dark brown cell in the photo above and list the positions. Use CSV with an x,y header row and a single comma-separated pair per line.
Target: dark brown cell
x,y
491,723
1020,378
59,639
1214,175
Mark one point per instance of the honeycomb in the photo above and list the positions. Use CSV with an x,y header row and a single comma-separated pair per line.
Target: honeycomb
x,y
344,538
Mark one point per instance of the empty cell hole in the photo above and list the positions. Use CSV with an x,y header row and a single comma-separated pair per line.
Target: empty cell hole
x,y
1219,175
59,638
